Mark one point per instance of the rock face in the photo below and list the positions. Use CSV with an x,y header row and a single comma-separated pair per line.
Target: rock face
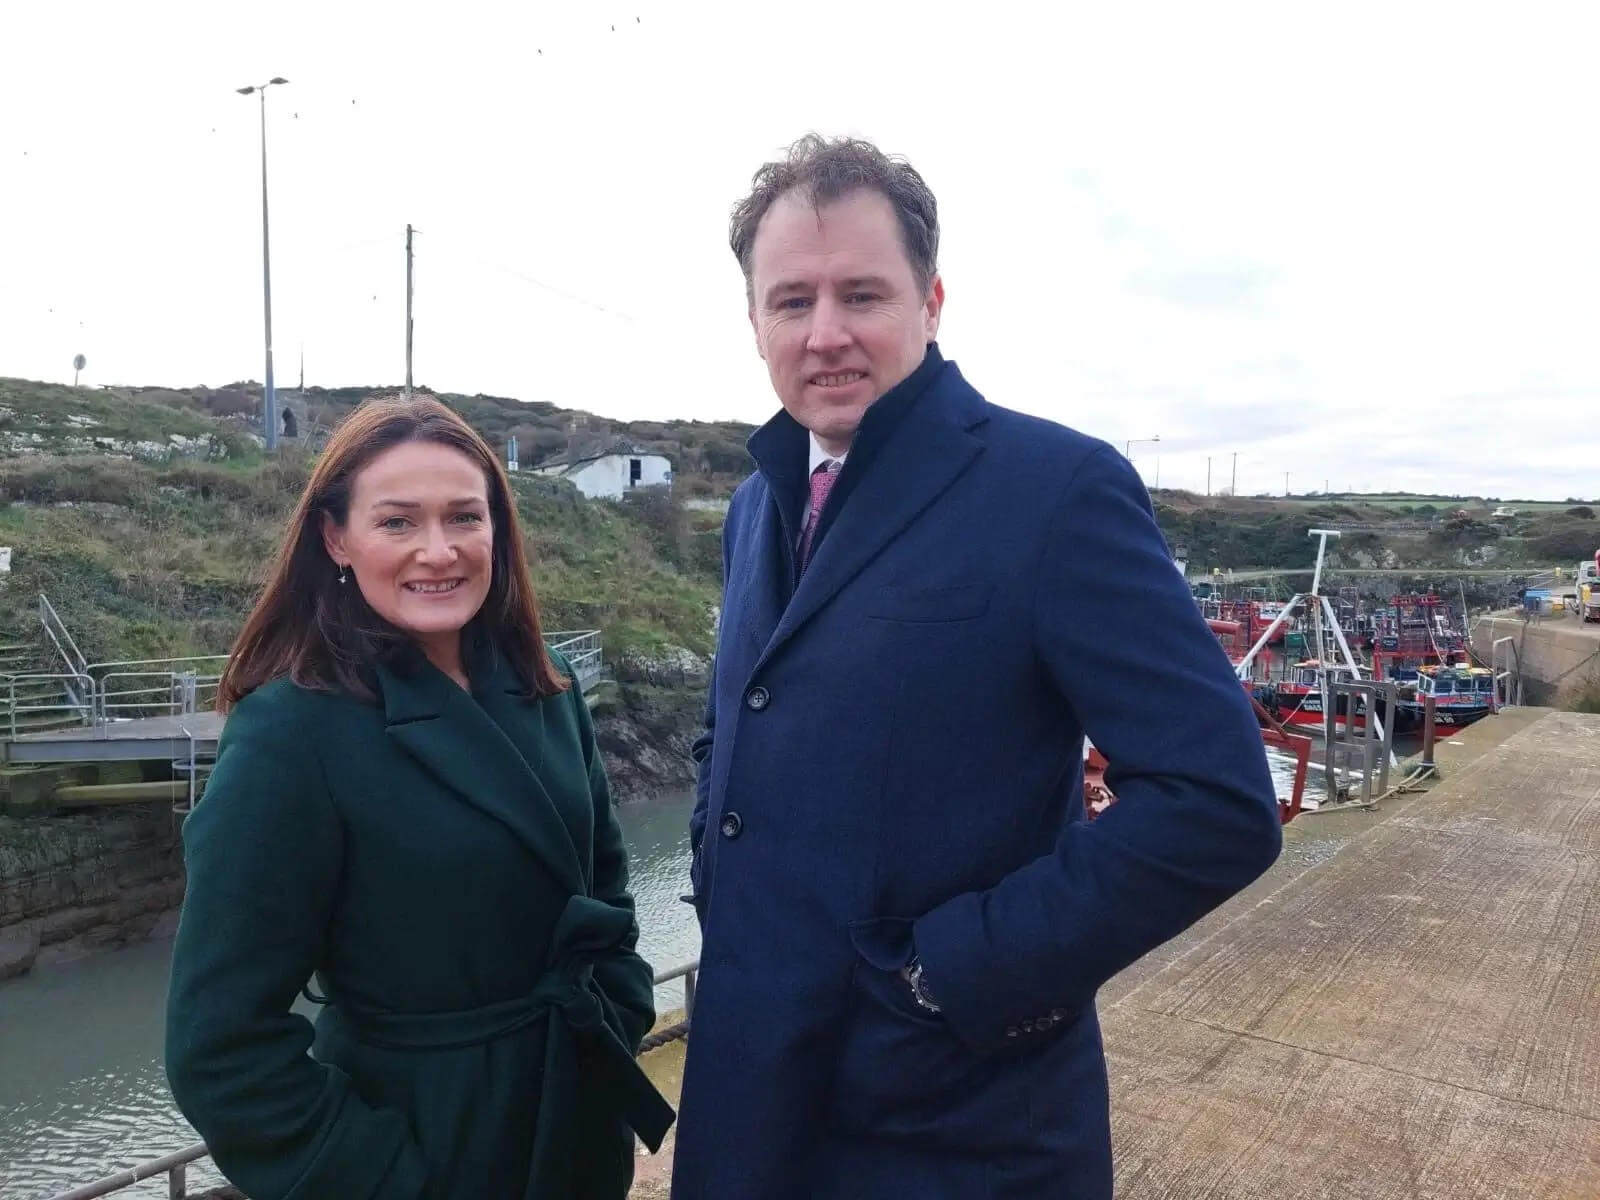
x,y
645,733
71,885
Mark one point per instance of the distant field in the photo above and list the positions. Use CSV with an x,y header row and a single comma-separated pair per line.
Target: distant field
x,y
1439,502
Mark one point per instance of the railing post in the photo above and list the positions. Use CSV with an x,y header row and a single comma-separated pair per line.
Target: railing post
x,y
688,994
1429,731
177,1182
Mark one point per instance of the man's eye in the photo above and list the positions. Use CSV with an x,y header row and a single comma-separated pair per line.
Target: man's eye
x,y
796,302
860,297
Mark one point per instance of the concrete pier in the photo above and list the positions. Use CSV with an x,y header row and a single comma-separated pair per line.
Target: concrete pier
x,y
1416,1016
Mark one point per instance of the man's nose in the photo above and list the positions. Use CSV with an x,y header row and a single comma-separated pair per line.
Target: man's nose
x,y
829,332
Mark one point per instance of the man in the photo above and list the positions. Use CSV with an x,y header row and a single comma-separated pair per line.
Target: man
x,y
929,601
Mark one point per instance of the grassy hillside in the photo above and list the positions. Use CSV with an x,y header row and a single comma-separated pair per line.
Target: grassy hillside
x,y
150,547
148,515
1381,532
708,456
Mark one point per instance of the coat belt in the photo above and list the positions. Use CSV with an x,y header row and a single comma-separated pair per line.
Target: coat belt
x,y
567,995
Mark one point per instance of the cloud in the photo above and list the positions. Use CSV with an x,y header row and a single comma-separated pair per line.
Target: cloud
x,y
1242,287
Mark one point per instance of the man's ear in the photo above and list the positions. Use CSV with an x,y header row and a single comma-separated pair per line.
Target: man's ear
x,y
333,540
932,308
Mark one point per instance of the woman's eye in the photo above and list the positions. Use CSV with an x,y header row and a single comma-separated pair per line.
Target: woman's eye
x,y
393,524
469,518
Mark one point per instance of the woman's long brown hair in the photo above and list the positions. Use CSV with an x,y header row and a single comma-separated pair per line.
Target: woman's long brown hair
x,y
325,637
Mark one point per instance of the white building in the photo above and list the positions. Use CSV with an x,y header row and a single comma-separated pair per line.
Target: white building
x,y
611,474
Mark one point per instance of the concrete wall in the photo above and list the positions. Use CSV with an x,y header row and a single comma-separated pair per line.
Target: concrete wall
x,y
1560,657
70,885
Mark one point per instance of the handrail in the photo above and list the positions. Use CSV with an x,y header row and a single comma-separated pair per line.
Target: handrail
x,y
176,687
173,1164
85,708
175,691
156,662
47,613
1503,696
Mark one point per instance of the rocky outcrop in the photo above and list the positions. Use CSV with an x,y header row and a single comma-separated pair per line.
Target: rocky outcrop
x,y
645,732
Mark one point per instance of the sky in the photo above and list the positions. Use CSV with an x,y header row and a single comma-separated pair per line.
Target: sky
x,y
1359,244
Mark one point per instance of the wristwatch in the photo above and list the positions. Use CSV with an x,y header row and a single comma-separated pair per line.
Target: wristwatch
x,y
912,974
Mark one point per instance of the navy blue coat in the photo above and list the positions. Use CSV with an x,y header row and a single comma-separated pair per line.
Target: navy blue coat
x,y
894,757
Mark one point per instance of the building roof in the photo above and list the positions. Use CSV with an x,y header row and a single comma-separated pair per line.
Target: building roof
x,y
572,462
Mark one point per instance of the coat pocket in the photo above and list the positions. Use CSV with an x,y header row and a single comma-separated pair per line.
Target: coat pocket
x,y
904,1075
963,602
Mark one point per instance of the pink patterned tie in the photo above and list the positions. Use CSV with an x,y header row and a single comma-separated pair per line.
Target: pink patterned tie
x,y
822,481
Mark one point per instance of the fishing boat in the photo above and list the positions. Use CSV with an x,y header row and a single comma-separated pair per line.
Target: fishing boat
x,y
1460,696
1297,698
1414,637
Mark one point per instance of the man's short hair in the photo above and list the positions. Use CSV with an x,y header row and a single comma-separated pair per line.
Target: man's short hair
x,y
825,170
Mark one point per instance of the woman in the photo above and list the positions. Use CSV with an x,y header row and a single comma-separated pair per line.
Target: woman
x,y
408,801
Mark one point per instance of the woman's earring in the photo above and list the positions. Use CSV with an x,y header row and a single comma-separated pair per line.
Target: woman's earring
x,y
343,578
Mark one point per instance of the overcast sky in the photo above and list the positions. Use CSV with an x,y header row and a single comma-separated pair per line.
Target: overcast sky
x,y
1357,243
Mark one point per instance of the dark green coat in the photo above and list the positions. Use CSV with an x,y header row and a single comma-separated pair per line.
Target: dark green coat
x,y
450,866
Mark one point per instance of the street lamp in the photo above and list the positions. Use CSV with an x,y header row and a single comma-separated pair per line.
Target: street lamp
x,y
269,405
1127,452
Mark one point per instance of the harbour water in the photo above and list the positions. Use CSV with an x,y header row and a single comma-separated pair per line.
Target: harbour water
x,y
82,1091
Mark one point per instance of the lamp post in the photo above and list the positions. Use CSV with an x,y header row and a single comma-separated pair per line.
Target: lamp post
x,y
1127,452
269,404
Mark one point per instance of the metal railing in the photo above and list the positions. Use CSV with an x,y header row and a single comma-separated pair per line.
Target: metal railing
x,y
1360,746
157,687
582,648
175,1165
78,698
56,630
1503,695
101,693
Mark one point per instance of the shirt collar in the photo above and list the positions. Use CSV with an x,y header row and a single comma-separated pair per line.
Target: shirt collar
x,y
820,456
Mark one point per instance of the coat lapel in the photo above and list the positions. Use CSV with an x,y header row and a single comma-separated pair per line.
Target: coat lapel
x,y
927,450
452,735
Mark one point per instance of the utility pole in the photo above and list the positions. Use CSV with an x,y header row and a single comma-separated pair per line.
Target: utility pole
x,y
1208,474
409,232
1235,486
1286,483
269,399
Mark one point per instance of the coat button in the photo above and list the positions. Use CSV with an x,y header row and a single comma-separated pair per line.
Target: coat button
x,y
732,825
757,698
1011,1031
1027,1027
